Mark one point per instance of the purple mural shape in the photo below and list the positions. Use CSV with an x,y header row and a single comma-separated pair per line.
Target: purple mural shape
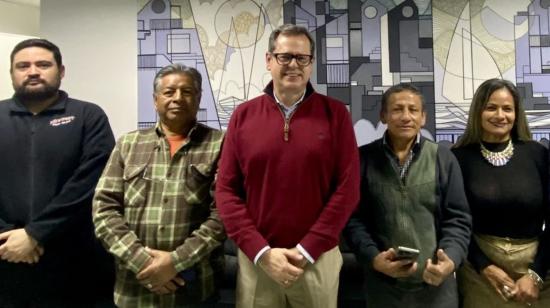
x,y
162,40
370,13
411,52
533,56
349,52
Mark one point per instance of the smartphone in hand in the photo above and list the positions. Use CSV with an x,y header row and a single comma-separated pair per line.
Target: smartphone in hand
x,y
407,253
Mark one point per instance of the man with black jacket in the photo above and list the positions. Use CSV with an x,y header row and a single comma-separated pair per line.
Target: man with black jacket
x,y
53,151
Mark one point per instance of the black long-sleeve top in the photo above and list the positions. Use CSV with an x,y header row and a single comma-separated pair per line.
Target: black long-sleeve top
x,y
510,200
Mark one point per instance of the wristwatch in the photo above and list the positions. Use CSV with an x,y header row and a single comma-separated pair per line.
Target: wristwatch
x,y
536,278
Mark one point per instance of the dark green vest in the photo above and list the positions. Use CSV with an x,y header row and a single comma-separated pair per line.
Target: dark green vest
x,y
402,214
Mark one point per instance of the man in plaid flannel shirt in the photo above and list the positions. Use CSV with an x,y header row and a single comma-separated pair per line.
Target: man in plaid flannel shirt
x,y
153,207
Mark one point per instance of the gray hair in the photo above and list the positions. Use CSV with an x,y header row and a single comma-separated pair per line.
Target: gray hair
x,y
178,68
290,30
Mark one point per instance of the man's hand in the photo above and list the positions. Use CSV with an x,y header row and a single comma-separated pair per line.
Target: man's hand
x,y
527,291
35,256
386,264
275,263
435,274
503,284
296,258
19,247
159,274
170,287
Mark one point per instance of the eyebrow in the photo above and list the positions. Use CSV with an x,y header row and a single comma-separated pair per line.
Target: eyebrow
x,y
37,62
178,87
505,103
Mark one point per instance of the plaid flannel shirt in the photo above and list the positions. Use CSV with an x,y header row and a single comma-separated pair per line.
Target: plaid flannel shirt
x,y
145,198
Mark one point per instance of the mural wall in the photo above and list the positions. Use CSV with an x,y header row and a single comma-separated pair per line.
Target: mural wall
x,y
444,47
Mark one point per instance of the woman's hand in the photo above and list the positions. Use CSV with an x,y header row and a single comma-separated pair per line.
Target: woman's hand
x,y
527,290
503,284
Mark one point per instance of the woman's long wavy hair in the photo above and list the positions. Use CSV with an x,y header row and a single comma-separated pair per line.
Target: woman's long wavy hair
x,y
474,130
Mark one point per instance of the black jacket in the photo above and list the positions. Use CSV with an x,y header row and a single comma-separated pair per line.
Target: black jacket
x,y
50,164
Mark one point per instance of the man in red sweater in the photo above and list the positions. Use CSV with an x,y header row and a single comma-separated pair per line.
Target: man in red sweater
x,y
288,182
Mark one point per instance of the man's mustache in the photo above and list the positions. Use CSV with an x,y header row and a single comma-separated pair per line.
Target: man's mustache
x,y
26,82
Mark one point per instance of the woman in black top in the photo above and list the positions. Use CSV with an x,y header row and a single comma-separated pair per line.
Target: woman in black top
x,y
506,181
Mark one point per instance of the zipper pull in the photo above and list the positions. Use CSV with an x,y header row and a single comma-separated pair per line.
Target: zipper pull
x,y
286,131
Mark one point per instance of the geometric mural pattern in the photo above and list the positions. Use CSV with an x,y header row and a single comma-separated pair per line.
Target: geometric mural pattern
x,y
445,48
478,40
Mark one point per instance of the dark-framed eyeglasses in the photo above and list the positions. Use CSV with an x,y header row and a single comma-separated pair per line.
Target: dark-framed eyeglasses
x,y
286,58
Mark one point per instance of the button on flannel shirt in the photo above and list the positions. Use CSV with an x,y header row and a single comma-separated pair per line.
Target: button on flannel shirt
x,y
145,198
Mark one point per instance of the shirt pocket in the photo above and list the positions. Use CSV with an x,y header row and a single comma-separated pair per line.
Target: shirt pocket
x,y
197,184
136,186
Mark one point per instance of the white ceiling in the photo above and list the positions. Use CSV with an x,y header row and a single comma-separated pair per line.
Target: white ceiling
x,y
35,3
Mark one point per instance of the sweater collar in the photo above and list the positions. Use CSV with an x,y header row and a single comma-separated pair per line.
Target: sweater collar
x,y
269,90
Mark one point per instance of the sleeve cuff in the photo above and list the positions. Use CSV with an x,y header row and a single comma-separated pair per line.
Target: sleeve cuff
x,y
365,254
179,266
260,253
138,260
37,237
6,228
304,252
480,265
455,256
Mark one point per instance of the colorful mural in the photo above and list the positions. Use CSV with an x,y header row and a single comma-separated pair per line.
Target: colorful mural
x,y
446,48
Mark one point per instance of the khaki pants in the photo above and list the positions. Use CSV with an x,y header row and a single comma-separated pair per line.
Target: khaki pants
x,y
316,288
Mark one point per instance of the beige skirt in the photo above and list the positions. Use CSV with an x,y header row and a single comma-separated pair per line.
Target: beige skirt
x,y
511,255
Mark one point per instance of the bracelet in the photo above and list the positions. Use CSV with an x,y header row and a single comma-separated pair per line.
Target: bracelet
x,y
536,278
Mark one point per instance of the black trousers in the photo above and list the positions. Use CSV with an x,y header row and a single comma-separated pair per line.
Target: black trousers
x,y
70,283
384,293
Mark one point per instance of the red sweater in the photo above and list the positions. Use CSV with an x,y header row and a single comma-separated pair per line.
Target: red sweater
x,y
279,191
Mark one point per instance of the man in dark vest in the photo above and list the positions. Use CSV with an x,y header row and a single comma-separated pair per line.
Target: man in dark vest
x,y
412,227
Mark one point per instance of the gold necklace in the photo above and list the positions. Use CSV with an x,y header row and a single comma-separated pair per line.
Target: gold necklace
x,y
498,159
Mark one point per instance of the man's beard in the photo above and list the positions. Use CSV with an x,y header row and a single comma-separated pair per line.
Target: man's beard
x,y
47,91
